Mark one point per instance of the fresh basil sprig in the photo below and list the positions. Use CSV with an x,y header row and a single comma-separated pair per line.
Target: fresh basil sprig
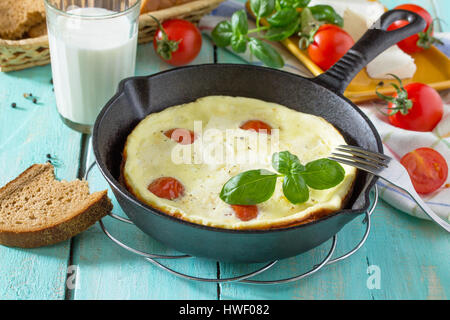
x,y
256,186
283,19
235,33
266,53
294,3
261,8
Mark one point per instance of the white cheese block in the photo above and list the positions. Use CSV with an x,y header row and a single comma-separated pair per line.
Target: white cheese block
x,y
358,15
357,24
394,61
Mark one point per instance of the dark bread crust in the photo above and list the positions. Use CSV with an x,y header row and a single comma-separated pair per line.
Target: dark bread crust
x,y
89,211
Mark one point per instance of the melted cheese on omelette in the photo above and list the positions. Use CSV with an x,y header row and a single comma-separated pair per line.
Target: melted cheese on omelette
x,y
203,169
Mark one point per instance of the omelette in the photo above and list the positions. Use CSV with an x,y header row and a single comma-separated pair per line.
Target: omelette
x,y
178,160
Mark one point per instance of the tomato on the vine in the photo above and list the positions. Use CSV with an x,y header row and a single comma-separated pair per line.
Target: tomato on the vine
x,y
330,44
420,41
427,168
416,107
177,41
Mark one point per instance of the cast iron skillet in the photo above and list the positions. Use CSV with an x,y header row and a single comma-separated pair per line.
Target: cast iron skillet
x,y
139,96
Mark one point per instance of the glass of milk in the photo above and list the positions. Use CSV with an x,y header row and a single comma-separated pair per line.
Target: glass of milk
x,y
92,47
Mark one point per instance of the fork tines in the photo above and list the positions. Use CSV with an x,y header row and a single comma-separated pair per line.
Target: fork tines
x,y
360,158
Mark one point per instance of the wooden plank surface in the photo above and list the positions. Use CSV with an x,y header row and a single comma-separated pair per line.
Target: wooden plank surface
x,y
27,134
442,10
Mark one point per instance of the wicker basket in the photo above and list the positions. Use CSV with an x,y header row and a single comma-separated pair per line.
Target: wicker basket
x,y
22,54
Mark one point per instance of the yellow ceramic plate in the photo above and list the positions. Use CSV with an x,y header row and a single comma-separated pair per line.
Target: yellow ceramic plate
x,y
433,68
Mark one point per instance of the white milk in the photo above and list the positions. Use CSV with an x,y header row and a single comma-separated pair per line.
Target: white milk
x,y
89,58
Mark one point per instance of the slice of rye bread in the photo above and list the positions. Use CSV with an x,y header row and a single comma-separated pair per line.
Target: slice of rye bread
x,y
18,16
38,210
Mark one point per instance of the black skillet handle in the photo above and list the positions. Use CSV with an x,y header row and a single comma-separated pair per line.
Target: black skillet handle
x,y
372,43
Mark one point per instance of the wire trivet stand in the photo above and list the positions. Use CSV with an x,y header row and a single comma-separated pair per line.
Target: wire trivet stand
x,y
244,278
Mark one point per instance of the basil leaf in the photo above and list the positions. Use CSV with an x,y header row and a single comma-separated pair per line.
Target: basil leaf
x,y
250,187
222,34
284,162
266,53
239,23
281,33
239,43
323,12
283,17
295,189
294,3
262,8
323,174
297,168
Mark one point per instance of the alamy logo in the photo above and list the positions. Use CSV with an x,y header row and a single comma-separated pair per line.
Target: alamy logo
x,y
71,282
219,147
374,279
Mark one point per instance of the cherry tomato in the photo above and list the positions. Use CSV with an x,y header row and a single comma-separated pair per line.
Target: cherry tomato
x,y
245,213
330,44
185,33
426,112
182,136
166,187
256,125
410,44
427,168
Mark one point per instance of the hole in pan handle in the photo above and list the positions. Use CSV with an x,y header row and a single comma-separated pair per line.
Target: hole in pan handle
x,y
373,42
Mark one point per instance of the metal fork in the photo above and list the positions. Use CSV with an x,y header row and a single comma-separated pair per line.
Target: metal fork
x,y
386,168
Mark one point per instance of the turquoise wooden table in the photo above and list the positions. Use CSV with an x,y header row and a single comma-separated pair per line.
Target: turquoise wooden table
x,y
403,258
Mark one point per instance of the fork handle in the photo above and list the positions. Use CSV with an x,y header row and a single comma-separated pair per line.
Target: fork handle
x,y
433,216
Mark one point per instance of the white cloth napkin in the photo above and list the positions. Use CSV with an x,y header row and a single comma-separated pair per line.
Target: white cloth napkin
x,y
397,142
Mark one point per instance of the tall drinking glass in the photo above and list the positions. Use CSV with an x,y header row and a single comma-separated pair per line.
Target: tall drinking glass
x,y
92,47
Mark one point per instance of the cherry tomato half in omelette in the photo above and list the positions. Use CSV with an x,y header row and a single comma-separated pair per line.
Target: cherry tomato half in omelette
x,y
167,188
245,213
257,125
182,136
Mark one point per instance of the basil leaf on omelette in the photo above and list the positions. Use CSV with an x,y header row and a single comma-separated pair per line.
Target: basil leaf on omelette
x,y
250,187
295,189
323,174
